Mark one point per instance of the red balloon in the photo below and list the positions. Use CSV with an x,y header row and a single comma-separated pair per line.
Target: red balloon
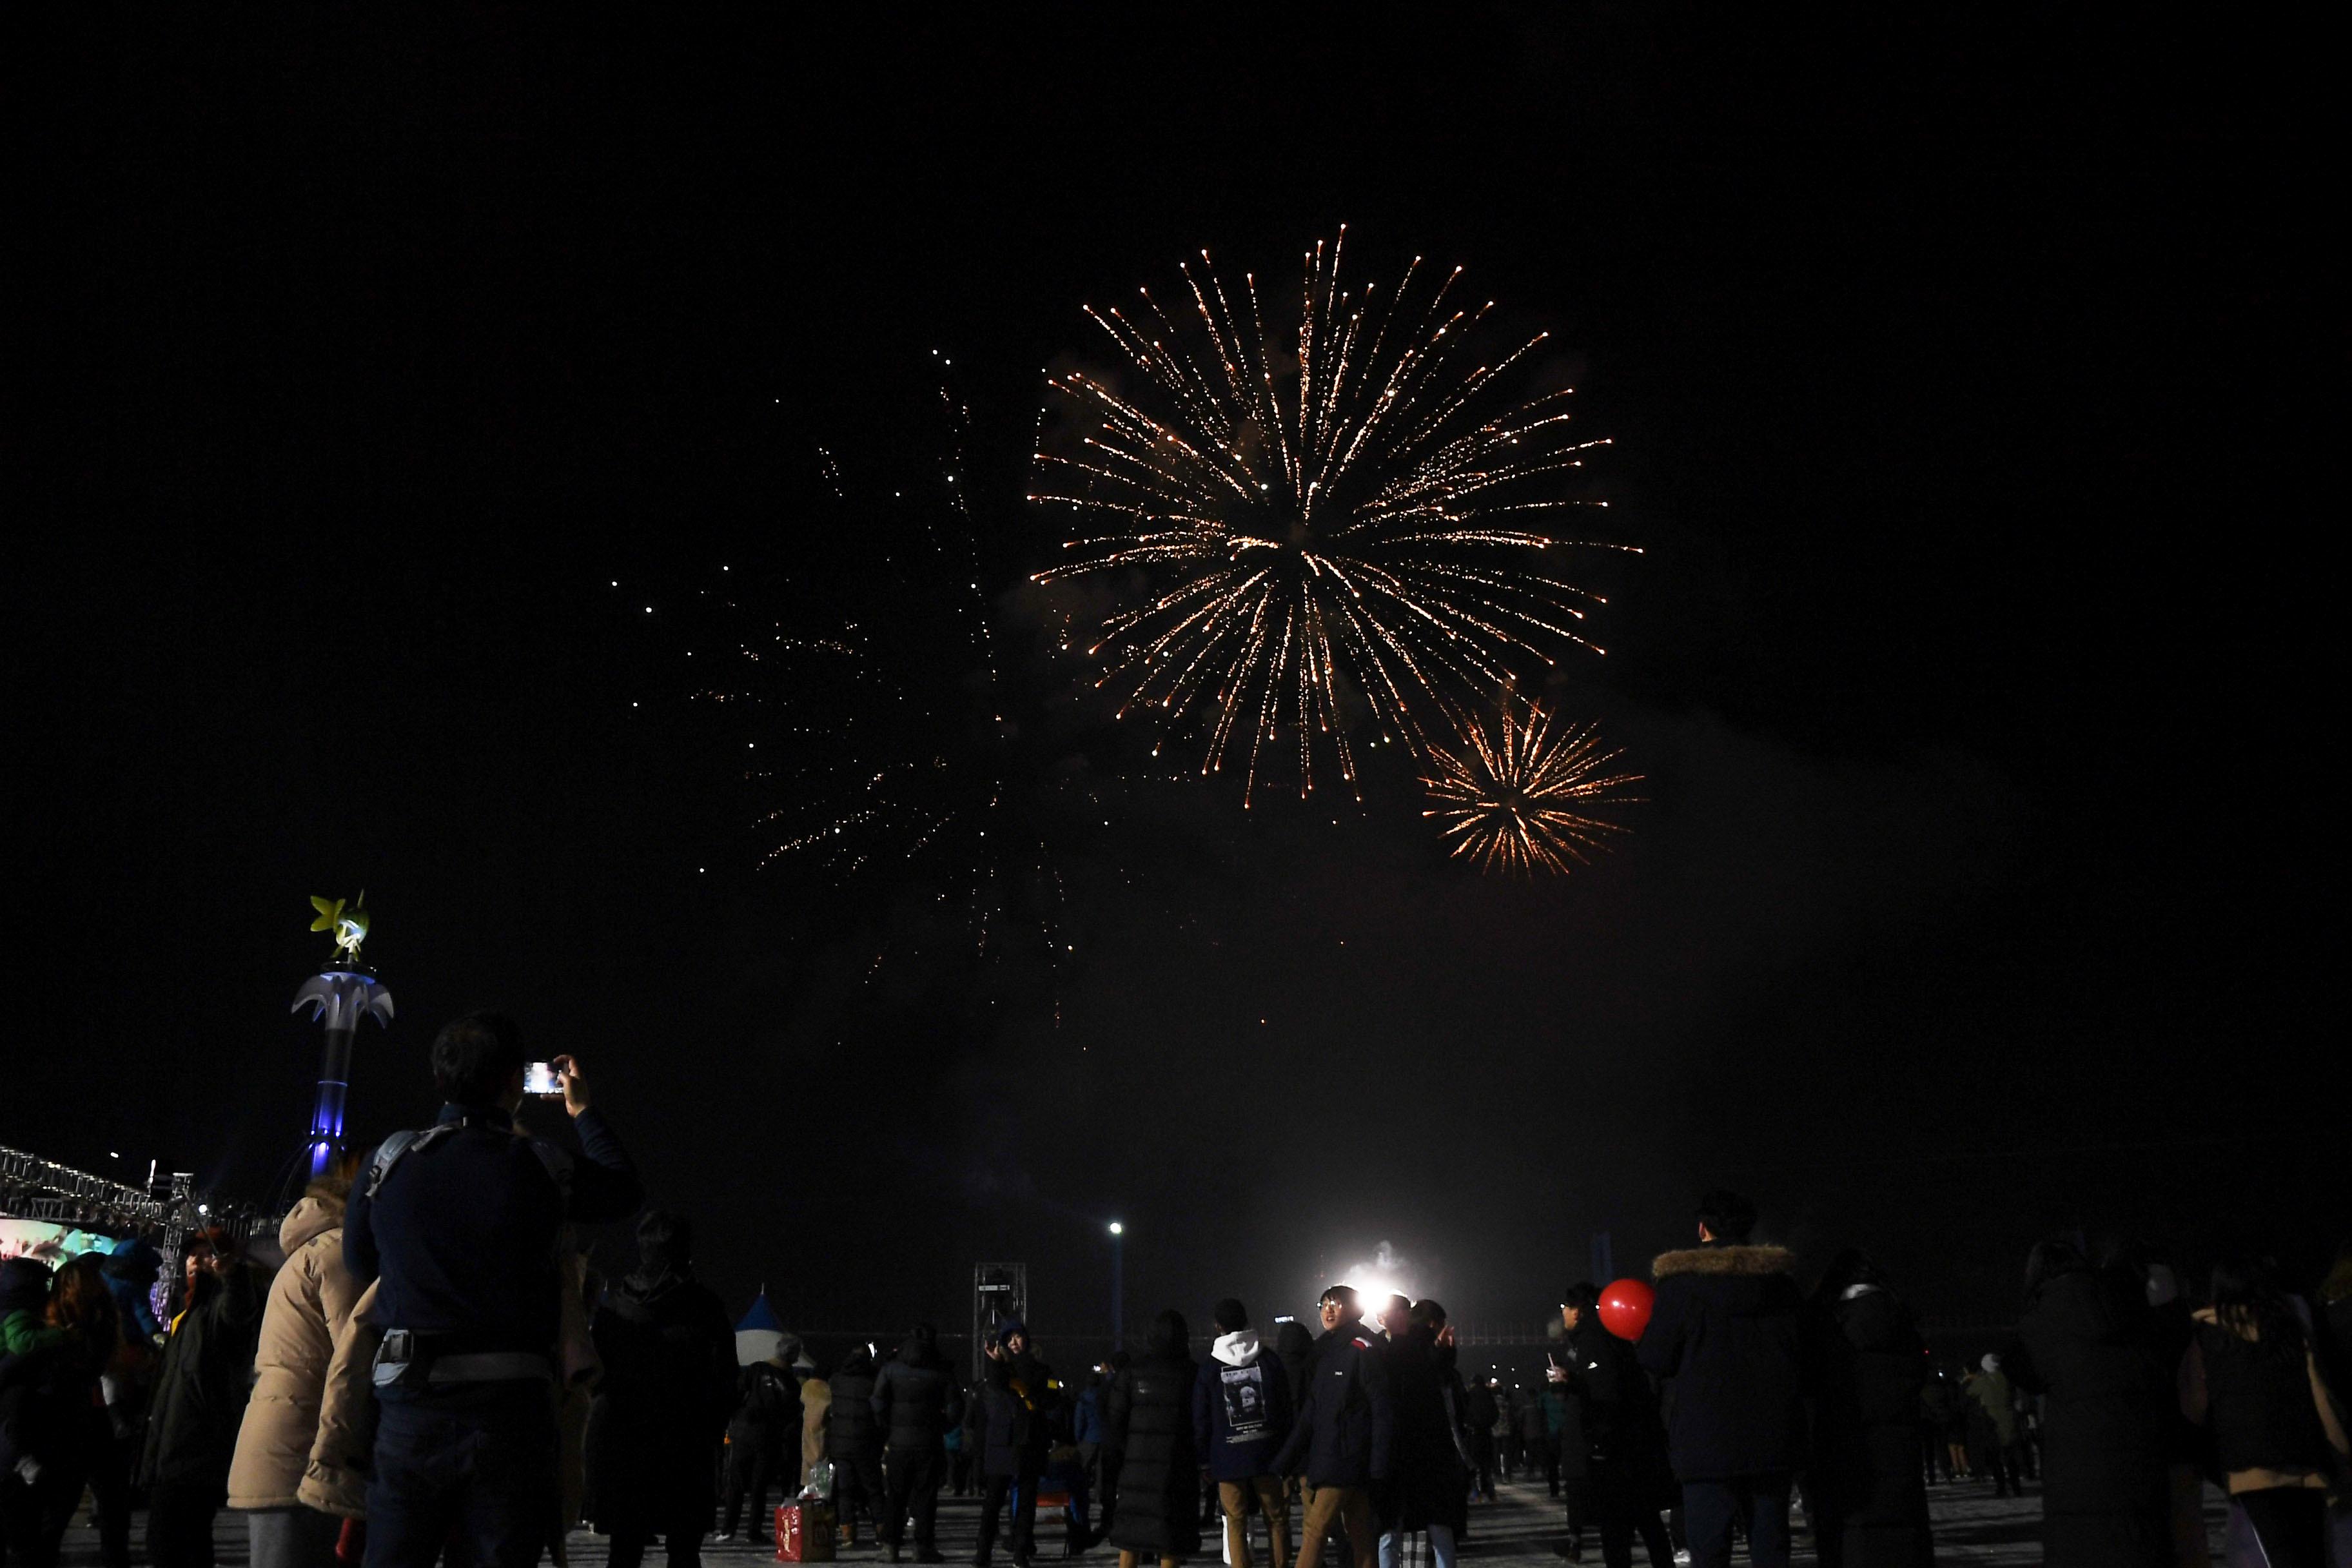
x,y
1625,1307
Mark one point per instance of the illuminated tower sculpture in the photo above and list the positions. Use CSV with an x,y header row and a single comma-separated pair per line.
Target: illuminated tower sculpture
x,y
339,995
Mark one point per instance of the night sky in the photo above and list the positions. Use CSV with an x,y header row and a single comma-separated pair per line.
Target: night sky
x,y
1969,386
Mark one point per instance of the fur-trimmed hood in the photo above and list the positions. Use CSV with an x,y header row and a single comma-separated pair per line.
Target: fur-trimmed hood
x,y
1743,1259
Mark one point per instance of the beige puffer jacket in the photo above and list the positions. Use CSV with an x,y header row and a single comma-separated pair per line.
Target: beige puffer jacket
x,y
308,1302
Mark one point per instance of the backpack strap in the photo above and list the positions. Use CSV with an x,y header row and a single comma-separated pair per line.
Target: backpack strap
x,y
399,1146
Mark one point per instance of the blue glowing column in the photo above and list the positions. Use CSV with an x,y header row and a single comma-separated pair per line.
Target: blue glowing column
x,y
338,996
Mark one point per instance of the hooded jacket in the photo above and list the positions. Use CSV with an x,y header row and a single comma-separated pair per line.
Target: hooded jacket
x,y
1015,1411
1345,1428
207,1371
1241,1408
914,1396
1866,1473
1728,1326
310,1301
851,1431
1147,1438
669,1349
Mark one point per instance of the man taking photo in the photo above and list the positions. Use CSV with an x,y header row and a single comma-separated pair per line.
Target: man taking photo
x,y
458,1224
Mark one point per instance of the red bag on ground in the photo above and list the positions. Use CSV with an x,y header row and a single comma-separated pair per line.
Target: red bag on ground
x,y
805,1533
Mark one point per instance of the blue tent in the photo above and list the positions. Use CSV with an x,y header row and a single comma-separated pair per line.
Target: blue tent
x,y
761,1335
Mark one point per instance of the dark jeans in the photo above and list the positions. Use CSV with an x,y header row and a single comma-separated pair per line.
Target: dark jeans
x,y
682,1548
1621,1511
993,1489
485,1470
912,1478
1759,1502
752,1467
180,1523
858,1489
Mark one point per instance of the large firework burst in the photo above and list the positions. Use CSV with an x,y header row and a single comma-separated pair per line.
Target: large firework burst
x,y
1346,520
1515,795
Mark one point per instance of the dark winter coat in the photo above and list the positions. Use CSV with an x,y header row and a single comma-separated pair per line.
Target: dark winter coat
x,y
1013,1415
2086,1344
1867,1481
1728,1327
913,1398
1148,1434
767,1409
1617,1409
1527,1415
1428,1484
208,1374
1293,1346
1345,1430
668,1391
852,1433
1479,1410
1241,1408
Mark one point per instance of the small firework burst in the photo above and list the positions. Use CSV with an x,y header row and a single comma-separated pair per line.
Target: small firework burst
x,y
1516,796
1305,528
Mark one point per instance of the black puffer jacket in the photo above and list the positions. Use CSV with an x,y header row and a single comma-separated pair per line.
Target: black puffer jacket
x,y
1148,1433
767,1408
1013,1415
1620,1410
1429,1484
2087,1343
914,1396
1728,1327
668,1350
851,1432
1866,1476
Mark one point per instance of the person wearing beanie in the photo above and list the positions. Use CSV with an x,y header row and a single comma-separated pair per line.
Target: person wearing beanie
x,y
1241,1417
1728,1327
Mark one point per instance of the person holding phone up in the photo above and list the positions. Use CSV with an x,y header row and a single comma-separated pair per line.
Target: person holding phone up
x,y
457,1225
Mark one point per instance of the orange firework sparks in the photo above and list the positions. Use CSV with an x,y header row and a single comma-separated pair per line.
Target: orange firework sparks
x,y
1514,795
1312,526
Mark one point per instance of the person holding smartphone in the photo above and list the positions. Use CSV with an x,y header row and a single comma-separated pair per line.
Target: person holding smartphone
x,y
456,1225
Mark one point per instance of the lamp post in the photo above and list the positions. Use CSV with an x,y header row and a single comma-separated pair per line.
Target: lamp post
x,y
1117,1286
339,995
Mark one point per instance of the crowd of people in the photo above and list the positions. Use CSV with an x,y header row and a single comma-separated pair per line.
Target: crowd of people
x,y
433,1374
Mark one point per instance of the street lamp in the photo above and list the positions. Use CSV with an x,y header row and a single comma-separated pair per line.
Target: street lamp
x,y
1117,1286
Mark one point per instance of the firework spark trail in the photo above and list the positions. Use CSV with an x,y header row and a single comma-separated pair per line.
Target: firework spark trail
x,y
1312,533
1516,795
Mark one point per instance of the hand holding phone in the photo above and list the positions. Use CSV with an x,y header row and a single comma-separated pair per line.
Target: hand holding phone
x,y
542,1080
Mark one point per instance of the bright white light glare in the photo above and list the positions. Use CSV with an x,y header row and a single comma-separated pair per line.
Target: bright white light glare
x,y
1117,1228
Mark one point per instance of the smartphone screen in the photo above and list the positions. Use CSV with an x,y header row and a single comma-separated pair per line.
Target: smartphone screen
x,y
540,1078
